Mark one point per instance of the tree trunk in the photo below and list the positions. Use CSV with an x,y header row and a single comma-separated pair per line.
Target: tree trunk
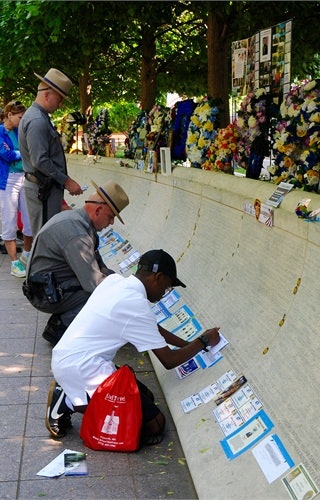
x,y
148,69
218,61
85,95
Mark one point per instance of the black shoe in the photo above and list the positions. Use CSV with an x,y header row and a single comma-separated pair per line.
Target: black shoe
x,y
58,417
54,329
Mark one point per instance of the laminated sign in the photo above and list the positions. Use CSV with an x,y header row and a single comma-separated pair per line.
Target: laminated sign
x,y
113,418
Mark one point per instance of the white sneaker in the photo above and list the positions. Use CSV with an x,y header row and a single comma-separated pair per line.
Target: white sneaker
x,y
17,269
24,258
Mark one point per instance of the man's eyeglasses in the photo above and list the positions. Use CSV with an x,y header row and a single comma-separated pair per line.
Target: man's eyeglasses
x,y
16,103
96,202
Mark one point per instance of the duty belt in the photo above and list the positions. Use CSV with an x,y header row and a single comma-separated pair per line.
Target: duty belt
x,y
31,178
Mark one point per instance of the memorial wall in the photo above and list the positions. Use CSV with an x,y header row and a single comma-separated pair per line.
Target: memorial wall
x,y
260,284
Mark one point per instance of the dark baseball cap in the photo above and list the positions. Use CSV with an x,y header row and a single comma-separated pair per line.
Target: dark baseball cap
x,y
156,261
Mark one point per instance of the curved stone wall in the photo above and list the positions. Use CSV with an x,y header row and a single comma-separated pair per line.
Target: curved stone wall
x,y
259,283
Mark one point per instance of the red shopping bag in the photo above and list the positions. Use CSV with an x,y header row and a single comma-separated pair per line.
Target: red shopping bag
x,y
113,418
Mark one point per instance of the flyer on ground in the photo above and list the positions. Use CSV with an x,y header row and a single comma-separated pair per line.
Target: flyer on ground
x,y
249,434
272,457
299,484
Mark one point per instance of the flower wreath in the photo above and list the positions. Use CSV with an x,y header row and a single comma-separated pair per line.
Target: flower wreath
x,y
158,122
201,131
223,149
297,138
97,133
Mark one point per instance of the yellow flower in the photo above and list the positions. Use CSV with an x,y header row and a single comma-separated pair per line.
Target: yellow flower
x,y
205,107
315,117
314,139
240,122
272,169
292,111
260,92
283,109
311,106
208,126
302,130
252,122
310,85
192,138
195,120
287,162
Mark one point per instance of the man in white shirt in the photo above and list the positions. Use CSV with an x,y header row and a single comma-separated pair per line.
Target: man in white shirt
x,y
118,312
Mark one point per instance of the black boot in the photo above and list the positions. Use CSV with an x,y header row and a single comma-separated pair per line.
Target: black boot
x,y
54,329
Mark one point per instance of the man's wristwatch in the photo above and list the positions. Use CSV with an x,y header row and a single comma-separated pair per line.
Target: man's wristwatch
x,y
205,341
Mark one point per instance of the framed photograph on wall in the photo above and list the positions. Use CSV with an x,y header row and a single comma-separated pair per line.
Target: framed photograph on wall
x,y
265,45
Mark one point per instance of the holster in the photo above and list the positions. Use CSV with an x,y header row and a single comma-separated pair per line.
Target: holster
x,y
42,288
45,184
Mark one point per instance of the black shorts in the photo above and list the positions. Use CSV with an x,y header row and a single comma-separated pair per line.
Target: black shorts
x,y
149,409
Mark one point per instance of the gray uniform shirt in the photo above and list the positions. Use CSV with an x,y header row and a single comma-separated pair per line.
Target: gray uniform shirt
x,y
66,246
40,145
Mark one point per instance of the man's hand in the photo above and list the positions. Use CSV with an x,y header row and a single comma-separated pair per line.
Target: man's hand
x,y
213,335
73,187
170,358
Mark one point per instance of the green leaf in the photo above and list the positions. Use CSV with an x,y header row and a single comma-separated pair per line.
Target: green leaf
x,y
161,462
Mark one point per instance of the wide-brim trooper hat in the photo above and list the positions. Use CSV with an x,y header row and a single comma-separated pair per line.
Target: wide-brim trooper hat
x,y
114,196
57,81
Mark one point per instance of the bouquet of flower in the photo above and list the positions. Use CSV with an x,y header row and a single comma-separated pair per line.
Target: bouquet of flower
x,y
98,132
223,149
252,114
297,138
202,131
67,131
158,122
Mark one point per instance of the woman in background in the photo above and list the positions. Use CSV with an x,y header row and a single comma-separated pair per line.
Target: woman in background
x,y
12,189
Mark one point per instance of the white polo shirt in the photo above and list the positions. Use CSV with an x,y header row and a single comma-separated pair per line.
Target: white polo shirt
x,y
116,313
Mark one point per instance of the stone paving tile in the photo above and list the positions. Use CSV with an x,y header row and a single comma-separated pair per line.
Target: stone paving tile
x,y
8,489
10,453
14,390
162,486
15,365
35,426
20,348
12,418
81,488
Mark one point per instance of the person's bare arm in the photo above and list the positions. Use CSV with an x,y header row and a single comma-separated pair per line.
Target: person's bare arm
x,y
170,358
171,338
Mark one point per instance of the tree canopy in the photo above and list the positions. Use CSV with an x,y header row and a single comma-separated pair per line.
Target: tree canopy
x,y
138,51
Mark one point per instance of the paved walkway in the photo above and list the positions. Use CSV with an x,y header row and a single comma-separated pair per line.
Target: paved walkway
x,y
25,446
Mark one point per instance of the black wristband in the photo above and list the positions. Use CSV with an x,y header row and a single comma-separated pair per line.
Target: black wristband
x,y
204,341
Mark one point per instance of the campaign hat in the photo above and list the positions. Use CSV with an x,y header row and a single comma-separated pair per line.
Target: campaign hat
x,y
57,81
114,196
